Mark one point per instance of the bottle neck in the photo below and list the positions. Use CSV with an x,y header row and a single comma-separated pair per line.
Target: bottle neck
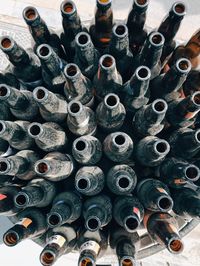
x,y
155,112
77,112
89,252
95,217
11,131
103,18
87,182
119,143
107,68
110,106
14,165
60,213
126,252
155,148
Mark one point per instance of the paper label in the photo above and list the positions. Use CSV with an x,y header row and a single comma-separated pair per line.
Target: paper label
x,y
25,222
58,239
2,196
90,245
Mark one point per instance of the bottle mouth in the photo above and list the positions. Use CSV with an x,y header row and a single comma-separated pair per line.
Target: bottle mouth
x,y
35,130
111,100
196,98
74,108
71,71
40,94
30,14
104,2
44,51
141,3
124,183
68,8
120,30
119,140
183,65
162,147
54,219
93,224
21,200
156,39
165,203
131,224
159,106
4,164
4,91
80,145
83,39
6,43
192,173
143,73
127,261
86,261
197,136
11,238
107,62
175,246
42,167
82,184
47,258
179,9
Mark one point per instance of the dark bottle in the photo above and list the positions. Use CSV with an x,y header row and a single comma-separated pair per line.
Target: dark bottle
x,y
185,143
5,113
71,25
107,79
40,31
52,68
89,180
119,48
25,65
9,79
16,134
151,53
21,103
32,224
170,26
81,119
192,83
183,112
7,194
87,150
91,245
128,212
38,192
121,179
118,147
19,165
177,173
125,245
151,151
4,145
48,136
163,228
110,113
52,107
60,241
55,166
186,202
135,24
97,212
86,57
101,30
136,91
154,195
66,208
149,120
77,86
167,86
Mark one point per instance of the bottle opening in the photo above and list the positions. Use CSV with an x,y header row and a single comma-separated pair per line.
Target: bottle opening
x,y
196,98
157,39
35,130
10,239
75,108
184,64
160,106
42,168
54,219
93,224
6,43
131,223
3,165
21,200
165,203
127,262
111,100
82,184
44,51
179,8
68,7
83,39
40,94
80,145
86,262
108,61
47,258
161,147
192,173
72,70
120,140
3,91
124,182
143,72
30,14
120,30
176,246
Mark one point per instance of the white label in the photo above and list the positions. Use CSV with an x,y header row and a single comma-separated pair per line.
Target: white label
x,y
90,245
58,239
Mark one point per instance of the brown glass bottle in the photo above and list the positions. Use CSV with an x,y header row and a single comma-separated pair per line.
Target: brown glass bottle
x,y
101,30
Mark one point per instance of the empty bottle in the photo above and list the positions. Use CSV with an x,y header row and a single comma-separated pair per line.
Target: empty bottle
x,y
21,103
48,136
170,26
52,107
183,112
32,224
135,24
9,79
15,133
89,180
136,91
25,65
52,68
150,119
107,79
125,245
38,192
163,228
71,25
151,151
77,86
7,194
55,166
91,245
192,83
121,179
66,208
110,113
154,195
19,165
101,30
87,150
118,147
128,212
186,202
40,31
119,48
97,212
167,86
177,172
81,119
185,143
86,57
60,240
151,53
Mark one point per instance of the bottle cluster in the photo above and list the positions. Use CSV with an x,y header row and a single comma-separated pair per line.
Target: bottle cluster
x,y
99,134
